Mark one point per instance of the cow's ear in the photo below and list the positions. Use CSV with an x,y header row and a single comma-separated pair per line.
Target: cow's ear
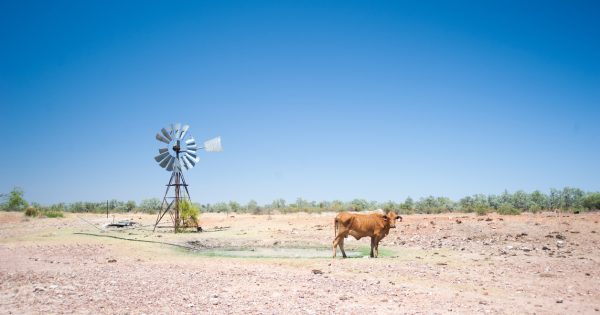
x,y
385,218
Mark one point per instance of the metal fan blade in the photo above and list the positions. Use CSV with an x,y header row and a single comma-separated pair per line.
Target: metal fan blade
x,y
191,151
185,163
192,147
190,161
163,150
192,155
159,137
170,165
161,156
176,130
183,131
213,145
172,130
166,161
166,134
190,141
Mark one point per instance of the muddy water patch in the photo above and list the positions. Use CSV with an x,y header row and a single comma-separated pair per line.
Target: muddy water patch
x,y
271,252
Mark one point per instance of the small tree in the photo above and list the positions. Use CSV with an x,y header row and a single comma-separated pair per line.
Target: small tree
x,y
252,206
189,214
151,205
592,201
130,205
16,202
234,206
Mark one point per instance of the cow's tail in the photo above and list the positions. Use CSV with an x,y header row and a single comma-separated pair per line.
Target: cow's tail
x,y
335,227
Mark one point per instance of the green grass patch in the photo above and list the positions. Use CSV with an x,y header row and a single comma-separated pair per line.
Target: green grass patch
x,y
53,214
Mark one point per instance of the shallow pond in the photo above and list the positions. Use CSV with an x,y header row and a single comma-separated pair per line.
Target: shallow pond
x,y
276,252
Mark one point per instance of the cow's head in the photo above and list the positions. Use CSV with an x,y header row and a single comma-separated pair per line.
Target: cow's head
x,y
391,217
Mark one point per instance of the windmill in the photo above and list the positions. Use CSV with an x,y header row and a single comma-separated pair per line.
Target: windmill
x,y
180,154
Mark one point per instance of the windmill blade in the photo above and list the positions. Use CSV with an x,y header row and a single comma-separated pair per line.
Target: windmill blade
x,y
190,141
161,156
185,163
166,161
192,155
190,160
159,137
172,130
192,147
183,131
163,150
176,130
166,134
213,145
170,165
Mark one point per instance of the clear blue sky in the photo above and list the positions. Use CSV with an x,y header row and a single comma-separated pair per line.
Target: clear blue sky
x,y
315,99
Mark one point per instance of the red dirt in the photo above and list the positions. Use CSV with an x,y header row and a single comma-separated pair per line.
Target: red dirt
x,y
434,264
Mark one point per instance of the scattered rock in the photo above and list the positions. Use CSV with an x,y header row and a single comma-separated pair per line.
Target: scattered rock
x,y
559,301
112,260
489,219
213,301
317,271
458,221
545,248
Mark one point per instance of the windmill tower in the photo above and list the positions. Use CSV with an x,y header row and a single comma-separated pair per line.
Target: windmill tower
x,y
179,155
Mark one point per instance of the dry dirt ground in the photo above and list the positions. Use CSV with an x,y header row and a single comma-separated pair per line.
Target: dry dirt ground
x,y
282,264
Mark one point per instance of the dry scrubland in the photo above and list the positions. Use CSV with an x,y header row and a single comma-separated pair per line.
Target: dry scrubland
x,y
453,263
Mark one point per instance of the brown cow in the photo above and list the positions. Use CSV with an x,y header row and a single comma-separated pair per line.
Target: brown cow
x,y
375,225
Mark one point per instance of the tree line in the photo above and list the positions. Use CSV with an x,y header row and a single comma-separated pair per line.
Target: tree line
x,y
566,199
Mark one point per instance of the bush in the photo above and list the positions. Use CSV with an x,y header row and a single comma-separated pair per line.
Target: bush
x,y
592,201
508,209
188,213
481,210
53,214
151,205
16,202
535,209
32,212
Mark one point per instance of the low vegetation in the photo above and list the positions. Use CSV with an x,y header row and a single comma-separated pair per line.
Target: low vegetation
x,y
566,199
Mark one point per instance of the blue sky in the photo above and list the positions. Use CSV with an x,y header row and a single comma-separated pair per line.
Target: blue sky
x,y
321,100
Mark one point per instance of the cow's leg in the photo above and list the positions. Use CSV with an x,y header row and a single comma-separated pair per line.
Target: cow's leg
x,y
342,248
376,248
336,240
339,241
372,246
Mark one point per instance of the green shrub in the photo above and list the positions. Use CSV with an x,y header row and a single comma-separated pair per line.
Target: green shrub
x,y
508,209
535,209
188,213
592,201
481,210
53,214
32,212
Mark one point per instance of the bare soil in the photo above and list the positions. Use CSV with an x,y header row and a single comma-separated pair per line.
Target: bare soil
x,y
281,264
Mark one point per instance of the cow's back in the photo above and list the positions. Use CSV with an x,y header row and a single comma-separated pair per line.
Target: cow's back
x,y
361,224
